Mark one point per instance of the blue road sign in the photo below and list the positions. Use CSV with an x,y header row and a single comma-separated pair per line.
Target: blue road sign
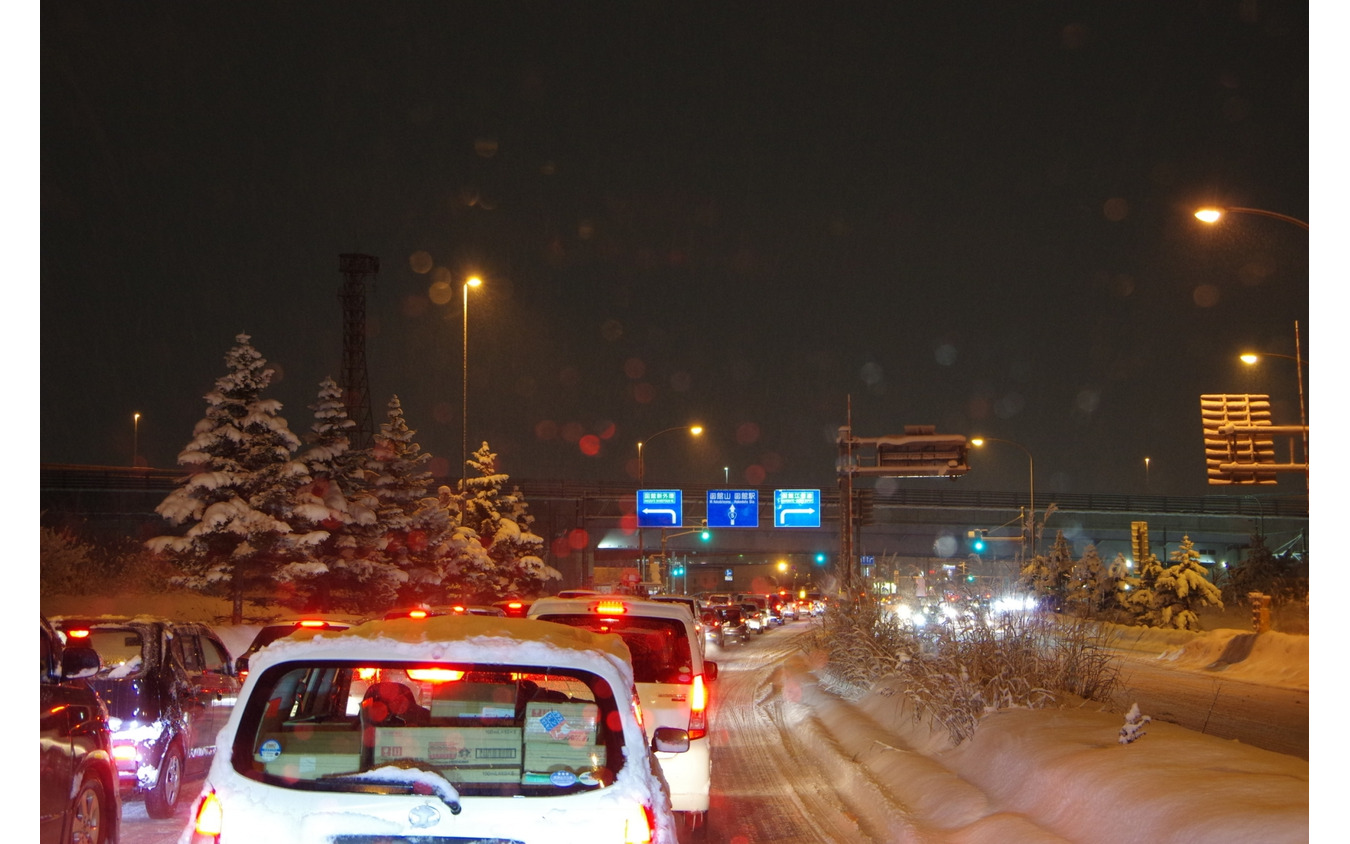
x,y
796,508
731,508
660,508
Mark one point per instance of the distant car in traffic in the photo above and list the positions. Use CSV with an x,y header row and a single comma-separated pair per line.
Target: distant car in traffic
x,y
457,729
169,687
672,679
78,796
279,630
724,625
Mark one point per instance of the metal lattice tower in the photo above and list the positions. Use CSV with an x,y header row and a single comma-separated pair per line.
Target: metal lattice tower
x,y
355,377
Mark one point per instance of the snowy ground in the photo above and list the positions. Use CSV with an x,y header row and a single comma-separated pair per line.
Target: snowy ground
x,y
1043,775
1064,775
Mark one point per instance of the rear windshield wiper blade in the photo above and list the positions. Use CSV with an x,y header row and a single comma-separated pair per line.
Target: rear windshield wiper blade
x,y
415,780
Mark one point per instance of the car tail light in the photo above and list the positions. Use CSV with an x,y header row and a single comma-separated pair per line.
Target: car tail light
x,y
637,825
311,623
125,752
698,709
434,675
210,814
417,614
611,608
77,634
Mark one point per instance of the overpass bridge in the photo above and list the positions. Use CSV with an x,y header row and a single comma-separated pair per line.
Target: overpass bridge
x,y
590,526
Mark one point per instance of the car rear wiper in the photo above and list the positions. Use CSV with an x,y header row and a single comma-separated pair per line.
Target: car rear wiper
x,y
412,777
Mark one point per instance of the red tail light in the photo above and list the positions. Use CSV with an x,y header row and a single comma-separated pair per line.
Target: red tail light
x,y
638,824
206,827
698,709
611,608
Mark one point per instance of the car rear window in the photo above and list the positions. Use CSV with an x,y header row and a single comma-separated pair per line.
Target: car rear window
x,y
659,646
490,730
120,648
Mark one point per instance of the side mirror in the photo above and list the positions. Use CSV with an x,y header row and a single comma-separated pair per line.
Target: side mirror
x,y
671,740
709,671
78,663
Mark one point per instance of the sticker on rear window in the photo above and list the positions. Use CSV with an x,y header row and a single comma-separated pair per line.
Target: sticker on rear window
x,y
270,750
562,779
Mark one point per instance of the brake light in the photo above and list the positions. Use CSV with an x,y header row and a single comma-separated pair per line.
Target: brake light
x,y
611,608
311,623
125,752
367,674
698,709
210,814
417,614
637,825
434,675
77,634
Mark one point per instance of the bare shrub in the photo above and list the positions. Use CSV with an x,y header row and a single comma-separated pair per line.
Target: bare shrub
x,y
955,672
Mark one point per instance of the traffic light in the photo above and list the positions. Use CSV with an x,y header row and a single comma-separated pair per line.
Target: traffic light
x,y
977,541
677,570
820,558
706,534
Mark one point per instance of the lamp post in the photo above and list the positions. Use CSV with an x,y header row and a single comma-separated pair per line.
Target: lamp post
x,y
642,476
472,281
1146,462
135,438
1252,358
1213,215
1031,475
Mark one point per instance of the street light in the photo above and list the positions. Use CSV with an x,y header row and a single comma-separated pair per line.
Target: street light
x,y
1031,475
1252,358
473,281
695,430
1213,215
135,438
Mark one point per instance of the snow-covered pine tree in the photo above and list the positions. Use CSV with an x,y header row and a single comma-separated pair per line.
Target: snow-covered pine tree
x,y
1088,584
502,523
1258,571
1184,587
1140,599
1118,584
238,497
1047,576
413,528
343,573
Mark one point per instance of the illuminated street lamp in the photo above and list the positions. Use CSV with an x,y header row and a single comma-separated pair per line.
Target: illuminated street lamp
x,y
695,430
135,438
1031,475
1213,215
1252,358
473,281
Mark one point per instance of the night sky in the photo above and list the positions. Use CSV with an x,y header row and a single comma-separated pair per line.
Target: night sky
x,y
969,215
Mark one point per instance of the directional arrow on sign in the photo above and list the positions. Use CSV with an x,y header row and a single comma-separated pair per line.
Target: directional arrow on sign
x,y
799,511
652,511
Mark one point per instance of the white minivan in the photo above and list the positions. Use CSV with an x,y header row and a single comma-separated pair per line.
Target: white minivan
x,y
671,676
450,728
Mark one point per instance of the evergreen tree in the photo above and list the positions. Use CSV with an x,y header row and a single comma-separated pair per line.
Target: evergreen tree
x,y
238,497
502,523
1118,584
344,574
1259,571
1047,576
1089,584
1139,598
412,526
1184,587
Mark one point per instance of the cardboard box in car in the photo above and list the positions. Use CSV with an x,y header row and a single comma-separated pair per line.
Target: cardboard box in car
x,y
473,700
568,723
450,746
309,753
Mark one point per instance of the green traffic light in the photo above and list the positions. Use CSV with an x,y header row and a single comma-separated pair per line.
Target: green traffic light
x,y
820,559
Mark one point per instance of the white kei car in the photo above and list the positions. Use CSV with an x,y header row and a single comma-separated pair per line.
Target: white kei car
x,y
451,728
672,681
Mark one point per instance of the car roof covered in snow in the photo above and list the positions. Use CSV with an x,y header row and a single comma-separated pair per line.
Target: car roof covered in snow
x,y
458,638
